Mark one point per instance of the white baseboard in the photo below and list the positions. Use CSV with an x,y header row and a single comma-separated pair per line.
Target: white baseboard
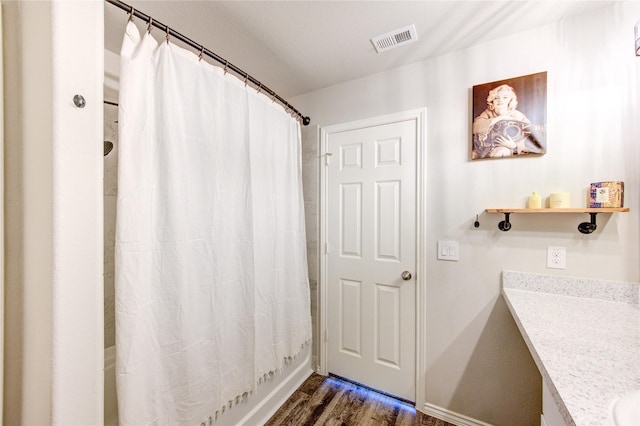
x,y
278,395
451,416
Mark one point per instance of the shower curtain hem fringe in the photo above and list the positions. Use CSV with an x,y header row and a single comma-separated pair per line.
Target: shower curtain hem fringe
x,y
246,394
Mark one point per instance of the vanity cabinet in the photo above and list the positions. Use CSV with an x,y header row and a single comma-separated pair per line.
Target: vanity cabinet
x,y
550,413
566,319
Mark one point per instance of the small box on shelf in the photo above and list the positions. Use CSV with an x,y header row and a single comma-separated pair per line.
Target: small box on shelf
x,y
606,194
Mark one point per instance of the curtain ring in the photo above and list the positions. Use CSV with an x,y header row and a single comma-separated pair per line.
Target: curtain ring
x,y
149,25
259,87
131,14
226,65
246,77
201,52
273,98
167,36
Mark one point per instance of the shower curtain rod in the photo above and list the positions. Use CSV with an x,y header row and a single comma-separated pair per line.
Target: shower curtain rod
x,y
204,51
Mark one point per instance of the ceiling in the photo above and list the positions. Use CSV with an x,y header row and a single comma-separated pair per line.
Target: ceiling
x,y
296,47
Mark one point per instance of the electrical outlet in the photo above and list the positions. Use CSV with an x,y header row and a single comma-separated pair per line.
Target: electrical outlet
x,y
556,257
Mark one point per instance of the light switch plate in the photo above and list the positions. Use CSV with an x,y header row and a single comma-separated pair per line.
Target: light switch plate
x,y
448,250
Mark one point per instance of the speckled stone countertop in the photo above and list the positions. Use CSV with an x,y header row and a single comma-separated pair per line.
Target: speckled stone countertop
x,y
584,336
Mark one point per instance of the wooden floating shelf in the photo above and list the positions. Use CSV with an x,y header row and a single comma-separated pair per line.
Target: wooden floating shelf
x,y
585,210
584,227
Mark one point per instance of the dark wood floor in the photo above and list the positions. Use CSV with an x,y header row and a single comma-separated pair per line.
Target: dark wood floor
x,y
329,401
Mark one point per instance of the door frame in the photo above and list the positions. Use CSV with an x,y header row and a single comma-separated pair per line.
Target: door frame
x,y
419,116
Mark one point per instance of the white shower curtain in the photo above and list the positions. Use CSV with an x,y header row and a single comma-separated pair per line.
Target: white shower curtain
x,y
211,277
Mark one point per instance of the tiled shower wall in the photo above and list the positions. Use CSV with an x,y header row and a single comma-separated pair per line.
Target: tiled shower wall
x,y
110,190
310,187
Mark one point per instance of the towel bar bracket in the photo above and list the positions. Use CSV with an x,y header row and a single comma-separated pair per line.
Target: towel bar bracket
x,y
505,225
588,227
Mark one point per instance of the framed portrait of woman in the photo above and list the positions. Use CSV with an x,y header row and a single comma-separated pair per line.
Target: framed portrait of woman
x,y
510,117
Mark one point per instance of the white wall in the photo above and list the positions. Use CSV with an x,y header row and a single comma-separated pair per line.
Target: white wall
x,y
477,363
53,151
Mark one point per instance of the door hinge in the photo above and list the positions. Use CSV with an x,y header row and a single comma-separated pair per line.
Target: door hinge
x,y
327,157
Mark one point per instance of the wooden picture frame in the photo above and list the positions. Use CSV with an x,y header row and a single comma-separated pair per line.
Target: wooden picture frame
x,y
510,117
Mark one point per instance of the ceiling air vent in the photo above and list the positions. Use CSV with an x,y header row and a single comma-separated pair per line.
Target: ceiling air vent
x,y
394,39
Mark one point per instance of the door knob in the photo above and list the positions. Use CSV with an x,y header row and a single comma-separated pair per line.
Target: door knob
x,y
406,275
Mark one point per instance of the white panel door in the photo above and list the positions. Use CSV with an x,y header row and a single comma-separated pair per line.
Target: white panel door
x,y
371,220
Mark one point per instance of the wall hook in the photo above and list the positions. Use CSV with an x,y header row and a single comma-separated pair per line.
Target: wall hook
x,y
476,223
